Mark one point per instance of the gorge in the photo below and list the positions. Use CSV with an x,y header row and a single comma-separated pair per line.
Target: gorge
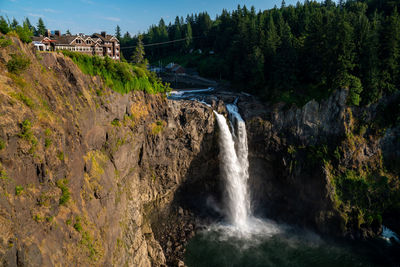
x,y
93,177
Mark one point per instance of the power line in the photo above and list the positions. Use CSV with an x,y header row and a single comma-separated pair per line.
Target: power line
x,y
167,42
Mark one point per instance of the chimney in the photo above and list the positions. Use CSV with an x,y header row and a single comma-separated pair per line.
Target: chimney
x,y
57,33
103,34
48,33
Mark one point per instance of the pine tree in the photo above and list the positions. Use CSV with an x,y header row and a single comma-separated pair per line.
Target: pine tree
x,y
118,32
68,32
177,33
138,55
391,53
163,33
30,26
4,28
24,33
127,36
14,24
273,40
40,27
369,60
188,36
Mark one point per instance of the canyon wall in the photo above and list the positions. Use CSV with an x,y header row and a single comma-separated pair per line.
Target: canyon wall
x,y
83,168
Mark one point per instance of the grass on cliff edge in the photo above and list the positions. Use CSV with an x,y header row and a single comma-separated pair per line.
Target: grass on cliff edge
x,y
121,77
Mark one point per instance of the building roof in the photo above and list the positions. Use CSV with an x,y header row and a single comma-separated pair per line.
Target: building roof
x,y
106,38
37,38
177,68
65,39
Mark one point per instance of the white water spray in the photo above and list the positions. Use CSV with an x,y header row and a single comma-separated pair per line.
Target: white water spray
x,y
234,167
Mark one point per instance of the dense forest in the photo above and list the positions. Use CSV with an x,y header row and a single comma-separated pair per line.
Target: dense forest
x,y
291,53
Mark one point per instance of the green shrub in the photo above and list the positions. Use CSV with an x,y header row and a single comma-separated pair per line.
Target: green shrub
x,y
77,224
47,142
116,123
88,242
60,155
336,153
371,194
121,77
3,175
65,194
18,63
18,190
24,33
47,132
37,218
4,42
157,127
355,89
291,149
26,100
2,144
26,132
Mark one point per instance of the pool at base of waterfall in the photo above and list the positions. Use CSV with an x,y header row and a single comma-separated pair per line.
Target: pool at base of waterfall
x,y
219,246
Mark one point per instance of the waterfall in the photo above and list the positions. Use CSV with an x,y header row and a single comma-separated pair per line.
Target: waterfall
x,y
234,166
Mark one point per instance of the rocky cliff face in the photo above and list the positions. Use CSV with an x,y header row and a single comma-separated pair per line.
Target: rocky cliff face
x,y
84,169
322,165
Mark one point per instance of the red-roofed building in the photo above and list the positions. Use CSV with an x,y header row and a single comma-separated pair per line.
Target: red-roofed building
x,y
97,44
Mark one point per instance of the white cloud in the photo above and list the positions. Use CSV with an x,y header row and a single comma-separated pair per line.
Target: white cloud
x,y
35,15
112,19
49,10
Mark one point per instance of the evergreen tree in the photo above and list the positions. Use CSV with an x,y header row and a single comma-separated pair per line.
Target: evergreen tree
x,y
177,33
162,31
68,32
14,24
370,63
391,53
283,4
188,36
118,32
127,36
30,26
138,55
273,40
24,32
4,28
40,27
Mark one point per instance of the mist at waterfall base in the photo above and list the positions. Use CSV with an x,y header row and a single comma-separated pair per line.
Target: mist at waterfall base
x,y
244,240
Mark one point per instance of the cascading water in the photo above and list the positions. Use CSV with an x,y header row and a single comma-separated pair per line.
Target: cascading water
x,y
234,167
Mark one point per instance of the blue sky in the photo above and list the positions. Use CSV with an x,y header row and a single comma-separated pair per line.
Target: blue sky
x,y
88,16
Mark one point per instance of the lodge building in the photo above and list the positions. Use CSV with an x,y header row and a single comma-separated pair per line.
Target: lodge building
x,y
96,44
